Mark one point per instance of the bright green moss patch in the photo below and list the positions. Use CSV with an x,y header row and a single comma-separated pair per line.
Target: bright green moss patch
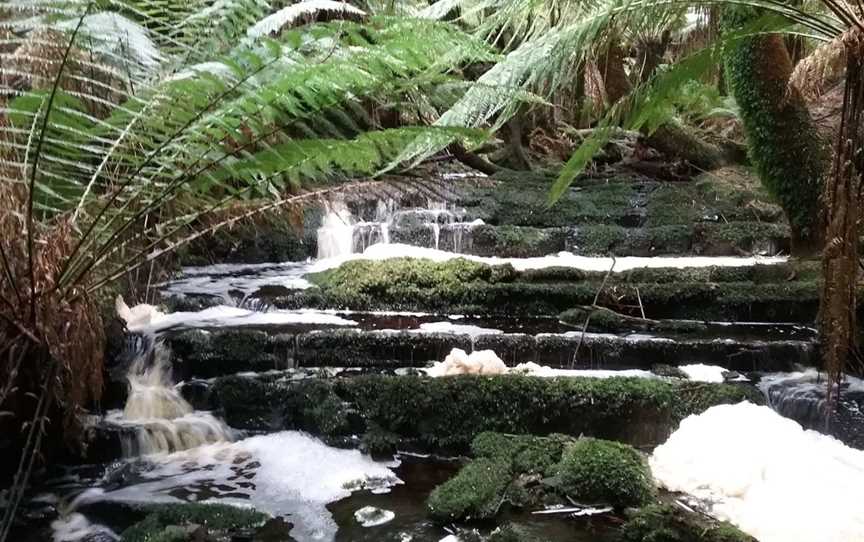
x,y
669,523
167,522
604,472
475,493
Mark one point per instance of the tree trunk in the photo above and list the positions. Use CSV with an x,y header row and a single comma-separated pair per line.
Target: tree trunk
x,y
837,320
611,65
785,147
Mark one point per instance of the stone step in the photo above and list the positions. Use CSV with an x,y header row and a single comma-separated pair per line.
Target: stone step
x,y
208,353
438,414
779,292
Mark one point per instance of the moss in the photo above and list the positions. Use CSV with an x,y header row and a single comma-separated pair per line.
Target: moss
x,y
669,523
446,414
758,292
601,471
517,241
475,493
524,202
164,522
526,454
783,141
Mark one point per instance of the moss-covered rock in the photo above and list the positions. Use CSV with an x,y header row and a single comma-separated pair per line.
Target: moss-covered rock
x,y
475,493
601,471
169,522
447,413
669,523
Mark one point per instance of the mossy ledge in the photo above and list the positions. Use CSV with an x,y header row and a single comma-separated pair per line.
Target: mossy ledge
x,y
747,293
445,414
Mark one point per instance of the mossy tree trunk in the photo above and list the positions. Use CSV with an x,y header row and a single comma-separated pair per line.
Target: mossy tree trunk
x,y
837,321
785,147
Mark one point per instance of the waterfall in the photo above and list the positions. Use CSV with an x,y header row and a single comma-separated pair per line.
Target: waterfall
x,y
336,234
435,226
803,397
157,418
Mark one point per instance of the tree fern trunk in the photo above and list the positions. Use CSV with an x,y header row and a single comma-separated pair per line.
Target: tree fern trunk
x,y
837,318
784,145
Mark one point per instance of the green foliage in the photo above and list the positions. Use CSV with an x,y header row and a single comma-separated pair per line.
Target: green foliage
x,y
165,522
670,523
599,471
475,493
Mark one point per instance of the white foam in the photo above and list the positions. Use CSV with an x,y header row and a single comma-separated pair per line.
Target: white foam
x,y
704,373
766,475
565,259
533,369
458,329
486,362
369,516
224,315
481,362
74,527
285,474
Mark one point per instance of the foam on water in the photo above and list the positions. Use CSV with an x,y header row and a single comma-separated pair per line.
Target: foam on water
x,y
222,315
533,369
766,474
287,474
568,259
486,362
704,373
74,527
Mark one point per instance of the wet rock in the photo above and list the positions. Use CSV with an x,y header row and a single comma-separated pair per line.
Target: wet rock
x,y
200,353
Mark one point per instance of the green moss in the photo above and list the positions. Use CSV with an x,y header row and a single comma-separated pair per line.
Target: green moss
x,y
669,523
600,471
783,141
448,413
475,493
460,286
526,454
523,201
165,522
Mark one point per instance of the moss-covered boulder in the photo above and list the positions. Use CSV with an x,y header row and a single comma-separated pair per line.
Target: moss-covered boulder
x,y
181,522
604,472
669,523
475,493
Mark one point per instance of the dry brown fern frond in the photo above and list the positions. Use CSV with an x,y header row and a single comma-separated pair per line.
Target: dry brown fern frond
x,y
820,70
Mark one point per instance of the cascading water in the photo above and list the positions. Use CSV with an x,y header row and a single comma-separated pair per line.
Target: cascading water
x,y
157,417
435,226
803,397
